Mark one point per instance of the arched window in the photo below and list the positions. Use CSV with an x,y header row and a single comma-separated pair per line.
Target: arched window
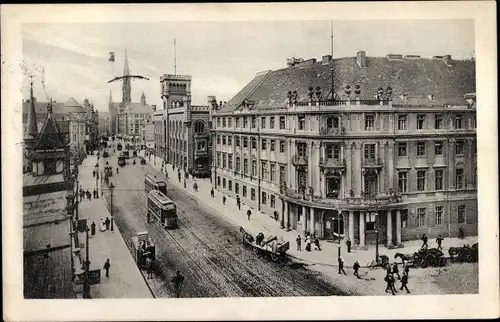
x,y
199,127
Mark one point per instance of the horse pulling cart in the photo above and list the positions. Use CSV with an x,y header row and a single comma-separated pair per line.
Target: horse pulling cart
x,y
424,257
271,247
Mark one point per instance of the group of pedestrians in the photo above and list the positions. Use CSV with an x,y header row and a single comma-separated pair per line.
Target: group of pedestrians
x,y
87,195
391,281
308,242
439,241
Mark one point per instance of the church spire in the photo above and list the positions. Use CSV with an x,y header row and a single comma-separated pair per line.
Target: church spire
x,y
32,128
143,98
126,88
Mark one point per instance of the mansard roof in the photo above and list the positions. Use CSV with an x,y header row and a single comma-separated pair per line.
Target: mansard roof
x,y
421,81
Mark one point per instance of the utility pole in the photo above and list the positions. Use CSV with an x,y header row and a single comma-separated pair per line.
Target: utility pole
x,y
111,189
86,285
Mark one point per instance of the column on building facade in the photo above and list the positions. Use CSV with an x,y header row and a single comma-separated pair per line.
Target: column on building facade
x,y
358,169
304,220
398,227
351,225
283,213
311,226
382,149
389,227
310,164
292,182
286,214
361,229
317,172
451,164
348,171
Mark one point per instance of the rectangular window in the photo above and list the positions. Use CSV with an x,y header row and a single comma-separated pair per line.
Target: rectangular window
x,y
218,139
223,122
236,188
461,214
421,180
224,156
265,173
218,181
402,150
229,140
254,143
254,122
223,140
369,122
438,122
218,122
238,164
282,146
263,122
244,191
273,201
370,152
218,158
438,148
302,122
271,122
264,144
420,217
237,139
245,122
245,142
245,166
238,121
254,168
459,178
282,173
402,181
420,122
458,122
273,145
459,147
252,194
264,197
332,151
370,220
230,161
439,180
230,185
421,149
473,121
273,172
229,121
438,215
224,183
282,123
402,122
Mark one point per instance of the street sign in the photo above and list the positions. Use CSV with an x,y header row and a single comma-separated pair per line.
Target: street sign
x,y
95,277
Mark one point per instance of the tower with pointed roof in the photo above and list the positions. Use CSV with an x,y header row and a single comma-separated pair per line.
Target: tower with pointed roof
x,y
31,128
126,87
143,98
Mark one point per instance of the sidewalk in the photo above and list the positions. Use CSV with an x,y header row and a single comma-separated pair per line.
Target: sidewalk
x,y
260,222
125,280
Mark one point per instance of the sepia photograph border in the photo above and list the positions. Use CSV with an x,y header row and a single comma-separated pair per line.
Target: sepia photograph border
x,y
482,305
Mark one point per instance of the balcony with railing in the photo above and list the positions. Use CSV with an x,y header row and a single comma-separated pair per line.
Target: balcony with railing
x,y
299,160
332,130
332,163
372,163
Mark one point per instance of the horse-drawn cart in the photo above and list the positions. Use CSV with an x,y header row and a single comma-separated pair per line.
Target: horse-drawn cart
x,y
271,247
424,257
464,254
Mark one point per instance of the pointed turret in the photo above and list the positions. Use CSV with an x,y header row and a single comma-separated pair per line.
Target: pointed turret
x,y
50,136
143,98
126,70
32,128
126,88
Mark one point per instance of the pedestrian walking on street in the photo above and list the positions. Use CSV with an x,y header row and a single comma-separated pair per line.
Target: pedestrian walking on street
x,y
224,200
341,266
107,265
356,267
424,241
178,281
348,244
395,270
107,222
299,241
179,175
439,240
117,170
93,193
308,243
461,233
212,192
316,243
96,193
249,213
390,285
89,195
92,228
406,268
93,173
238,202
404,283
276,216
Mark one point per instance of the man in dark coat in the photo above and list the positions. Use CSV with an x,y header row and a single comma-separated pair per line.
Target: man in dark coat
x,y
107,222
178,280
404,283
461,233
299,242
424,241
224,200
356,267
341,266
92,228
389,279
249,213
395,270
106,267
439,240
348,244
212,192
238,202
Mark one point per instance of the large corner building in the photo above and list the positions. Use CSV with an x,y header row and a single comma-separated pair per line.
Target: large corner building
x,y
391,150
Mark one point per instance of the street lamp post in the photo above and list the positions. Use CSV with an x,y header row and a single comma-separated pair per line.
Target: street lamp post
x,y
338,225
376,230
111,189
86,285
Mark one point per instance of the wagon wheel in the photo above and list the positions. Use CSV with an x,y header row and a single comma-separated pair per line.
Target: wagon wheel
x,y
442,261
274,257
469,258
423,263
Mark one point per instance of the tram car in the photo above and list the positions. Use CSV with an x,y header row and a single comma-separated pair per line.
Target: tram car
x,y
121,160
163,208
119,147
152,182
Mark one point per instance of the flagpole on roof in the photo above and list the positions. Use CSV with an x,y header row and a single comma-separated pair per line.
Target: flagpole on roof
x,y
331,42
175,58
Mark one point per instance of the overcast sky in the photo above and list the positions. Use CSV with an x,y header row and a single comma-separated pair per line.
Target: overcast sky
x,y
222,57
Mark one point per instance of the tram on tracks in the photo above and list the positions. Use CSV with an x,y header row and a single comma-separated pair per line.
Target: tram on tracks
x,y
152,182
163,208
119,147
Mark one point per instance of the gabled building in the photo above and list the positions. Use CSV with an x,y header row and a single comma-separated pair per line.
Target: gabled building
x,y
358,147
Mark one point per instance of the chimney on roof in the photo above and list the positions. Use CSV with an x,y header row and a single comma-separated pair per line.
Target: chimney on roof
x,y
361,58
326,59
